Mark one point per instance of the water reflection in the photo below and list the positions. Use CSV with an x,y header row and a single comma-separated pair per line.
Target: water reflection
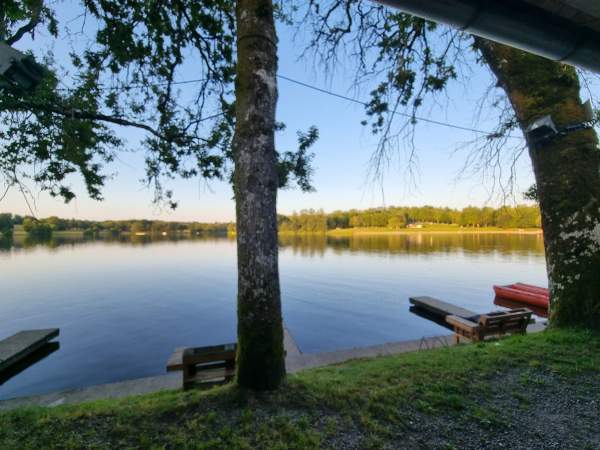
x,y
30,360
317,244
421,243
25,242
6,243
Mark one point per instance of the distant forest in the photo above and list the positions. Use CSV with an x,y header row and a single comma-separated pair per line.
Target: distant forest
x,y
10,223
307,221
395,218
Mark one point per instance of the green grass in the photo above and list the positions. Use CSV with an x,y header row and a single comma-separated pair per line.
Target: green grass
x,y
371,403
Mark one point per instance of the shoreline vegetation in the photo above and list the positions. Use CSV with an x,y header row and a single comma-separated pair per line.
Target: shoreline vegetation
x,y
443,398
389,241
334,233
432,229
520,219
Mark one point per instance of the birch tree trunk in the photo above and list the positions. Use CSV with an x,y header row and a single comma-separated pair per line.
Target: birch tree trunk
x,y
567,173
260,359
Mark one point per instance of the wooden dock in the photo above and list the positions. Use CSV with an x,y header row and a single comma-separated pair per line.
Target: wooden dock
x,y
439,308
18,346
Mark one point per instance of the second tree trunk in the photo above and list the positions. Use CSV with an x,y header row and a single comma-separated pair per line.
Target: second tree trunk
x,y
567,173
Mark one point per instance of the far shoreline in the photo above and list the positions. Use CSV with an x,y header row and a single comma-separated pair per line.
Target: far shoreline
x,y
532,231
340,232
347,232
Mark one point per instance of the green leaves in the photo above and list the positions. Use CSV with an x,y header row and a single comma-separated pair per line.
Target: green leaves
x,y
44,129
19,17
129,74
296,166
125,76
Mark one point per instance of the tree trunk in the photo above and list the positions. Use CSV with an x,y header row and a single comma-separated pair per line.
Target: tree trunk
x,y
260,359
567,173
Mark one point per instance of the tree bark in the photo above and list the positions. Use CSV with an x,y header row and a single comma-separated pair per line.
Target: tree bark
x,y
260,359
567,173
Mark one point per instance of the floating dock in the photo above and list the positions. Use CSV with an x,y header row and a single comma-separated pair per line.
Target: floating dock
x,y
18,346
440,309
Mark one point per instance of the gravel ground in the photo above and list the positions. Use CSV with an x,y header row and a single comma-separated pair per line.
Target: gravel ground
x,y
526,410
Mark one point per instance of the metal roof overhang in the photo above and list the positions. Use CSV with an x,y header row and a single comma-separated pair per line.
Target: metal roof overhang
x,y
562,30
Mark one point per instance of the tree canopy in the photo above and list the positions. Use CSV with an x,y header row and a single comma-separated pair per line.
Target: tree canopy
x,y
410,64
123,71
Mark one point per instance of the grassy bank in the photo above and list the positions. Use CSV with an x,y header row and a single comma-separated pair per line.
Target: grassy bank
x,y
428,229
538,391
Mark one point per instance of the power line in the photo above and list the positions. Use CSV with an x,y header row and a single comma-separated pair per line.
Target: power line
x,y
397,113
140,85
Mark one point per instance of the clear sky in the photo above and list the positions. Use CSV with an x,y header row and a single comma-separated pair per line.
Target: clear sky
x,y
341,155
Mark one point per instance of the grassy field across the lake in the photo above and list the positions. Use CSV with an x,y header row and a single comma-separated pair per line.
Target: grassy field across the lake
x,y
535,391
432,229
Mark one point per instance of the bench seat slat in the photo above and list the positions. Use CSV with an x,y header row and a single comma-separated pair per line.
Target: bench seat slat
x,y
198,358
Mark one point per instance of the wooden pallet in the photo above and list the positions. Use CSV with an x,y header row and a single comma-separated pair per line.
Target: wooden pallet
x,y
491,324
20,345
203,366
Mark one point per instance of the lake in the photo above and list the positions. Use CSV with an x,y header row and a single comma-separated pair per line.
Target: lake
x,y
122,306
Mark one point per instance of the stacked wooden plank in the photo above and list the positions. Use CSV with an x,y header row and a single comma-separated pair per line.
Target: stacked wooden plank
x,y
491,324
204,365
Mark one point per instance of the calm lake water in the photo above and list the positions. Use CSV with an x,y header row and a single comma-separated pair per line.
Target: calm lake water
x,y
123,306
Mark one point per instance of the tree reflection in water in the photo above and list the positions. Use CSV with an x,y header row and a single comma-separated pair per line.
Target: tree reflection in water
x,y
316,244
417,243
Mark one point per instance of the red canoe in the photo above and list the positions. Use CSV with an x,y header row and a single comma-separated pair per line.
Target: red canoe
x,y
511,304
524,293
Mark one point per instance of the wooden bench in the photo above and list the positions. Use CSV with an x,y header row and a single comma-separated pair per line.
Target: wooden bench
x,y
204,366
492,324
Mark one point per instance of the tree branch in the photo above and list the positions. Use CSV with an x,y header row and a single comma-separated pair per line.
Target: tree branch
x,y
84,115
36,16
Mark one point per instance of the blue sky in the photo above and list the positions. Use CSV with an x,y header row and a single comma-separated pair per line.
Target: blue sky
x,y
341,156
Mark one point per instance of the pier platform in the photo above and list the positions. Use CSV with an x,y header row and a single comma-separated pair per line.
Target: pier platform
x,y
22,344
440,308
